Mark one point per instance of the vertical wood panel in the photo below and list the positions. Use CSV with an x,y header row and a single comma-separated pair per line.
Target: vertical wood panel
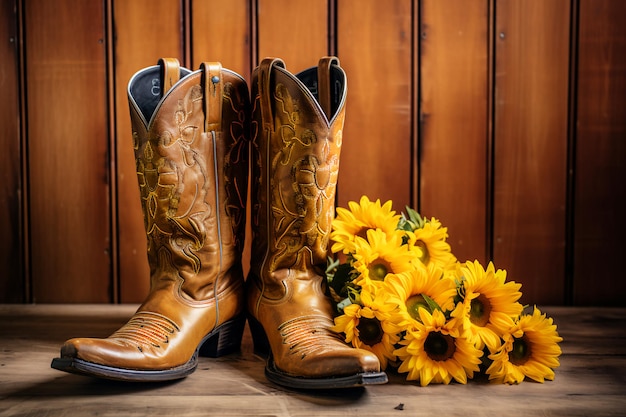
x,y
375,50
600,193
295,31
11,238
454,121
531,75
146,30
221,32
68,141
66,95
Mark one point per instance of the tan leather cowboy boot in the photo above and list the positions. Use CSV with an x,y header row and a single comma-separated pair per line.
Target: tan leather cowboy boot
x,y
296,127
190,139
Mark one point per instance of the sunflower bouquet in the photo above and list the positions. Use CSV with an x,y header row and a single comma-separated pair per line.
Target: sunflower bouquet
x,y
403,295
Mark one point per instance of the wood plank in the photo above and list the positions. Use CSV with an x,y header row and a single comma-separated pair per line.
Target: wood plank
x,y
589,381
68,151
531,120
375,51
372,39
295,31
454,119
140,42
600,194
12,283
220,31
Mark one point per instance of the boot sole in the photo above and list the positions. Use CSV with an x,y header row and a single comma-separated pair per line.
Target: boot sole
x,y
275,375
224,340
82,367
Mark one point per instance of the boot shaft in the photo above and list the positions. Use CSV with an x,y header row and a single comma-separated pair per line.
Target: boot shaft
x,y
190,137
296,126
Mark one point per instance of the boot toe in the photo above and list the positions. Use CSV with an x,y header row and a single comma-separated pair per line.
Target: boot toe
x,y
349,362
85,349
343,368
368,361
70,348
105,352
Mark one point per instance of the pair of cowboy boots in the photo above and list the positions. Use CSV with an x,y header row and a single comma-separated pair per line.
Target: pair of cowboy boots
x,y
192,133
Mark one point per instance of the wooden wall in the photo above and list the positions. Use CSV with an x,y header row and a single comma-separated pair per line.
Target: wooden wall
x,y
505,119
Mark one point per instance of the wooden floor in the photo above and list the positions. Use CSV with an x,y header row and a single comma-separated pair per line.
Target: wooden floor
x,y
590,382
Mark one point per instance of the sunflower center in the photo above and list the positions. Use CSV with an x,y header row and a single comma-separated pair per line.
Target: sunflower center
x,y
439,346
370,331
425,257
521,351
480,309
414,303
379,269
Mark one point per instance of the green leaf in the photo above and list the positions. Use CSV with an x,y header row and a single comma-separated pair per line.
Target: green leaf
x,y
411,223
404,224
343,304
342,276
415,218
331,266
432,305
354,294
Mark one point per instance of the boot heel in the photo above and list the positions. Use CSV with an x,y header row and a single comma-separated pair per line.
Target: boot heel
x,y
225,339
259,338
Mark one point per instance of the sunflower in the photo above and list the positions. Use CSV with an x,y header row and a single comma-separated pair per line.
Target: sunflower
x,y
379,257
414,289
429,241
489,305
358,219
530,349
370,326
434,352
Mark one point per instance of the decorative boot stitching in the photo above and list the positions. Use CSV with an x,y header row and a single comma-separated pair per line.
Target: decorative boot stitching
x,y
304,219
307,334
147,329
170,163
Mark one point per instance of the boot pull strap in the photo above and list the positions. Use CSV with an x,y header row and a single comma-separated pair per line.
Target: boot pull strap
x,y
324,83
213,84
263,77
170,73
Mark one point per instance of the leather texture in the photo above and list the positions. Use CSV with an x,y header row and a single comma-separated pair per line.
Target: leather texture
x,y
192,168
296,134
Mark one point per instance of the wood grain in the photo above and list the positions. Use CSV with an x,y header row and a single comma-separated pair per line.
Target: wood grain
x,y
531,119
589,381
504,119
600,193
295,31
12,279
375,50
454,121
68,151
221,32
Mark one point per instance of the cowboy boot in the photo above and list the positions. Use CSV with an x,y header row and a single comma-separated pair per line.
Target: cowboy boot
x,y
296,133
190,139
